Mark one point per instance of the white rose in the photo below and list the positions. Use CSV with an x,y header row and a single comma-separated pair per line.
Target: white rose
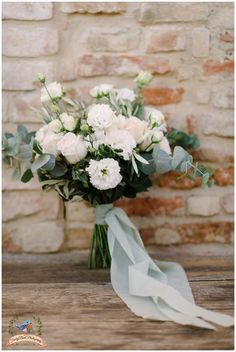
x,y
55,91
68,121
164,145
72,147
103,89
55,126
100,116
125,94
152,137
154,116
138,128
41,133
48,141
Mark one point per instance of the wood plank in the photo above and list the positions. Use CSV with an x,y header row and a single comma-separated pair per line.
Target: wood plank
x,y
80,310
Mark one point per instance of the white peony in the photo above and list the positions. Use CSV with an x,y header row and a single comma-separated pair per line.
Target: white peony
x,y
152,137
104,174
100,116
120,139
69,122
103,89
55,126
55,91
125,94
72,147
154,116
48,140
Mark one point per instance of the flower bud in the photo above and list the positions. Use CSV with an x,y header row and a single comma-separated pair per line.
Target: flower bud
x,y
84,128
55,108
41,78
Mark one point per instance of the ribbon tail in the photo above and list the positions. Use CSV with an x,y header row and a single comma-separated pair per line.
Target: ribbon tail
x,y
152,289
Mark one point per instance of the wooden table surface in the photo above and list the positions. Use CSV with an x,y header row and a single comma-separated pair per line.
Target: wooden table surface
x,y
80,310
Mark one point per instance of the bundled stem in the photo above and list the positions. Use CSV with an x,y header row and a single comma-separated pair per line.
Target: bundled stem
x,y
99,256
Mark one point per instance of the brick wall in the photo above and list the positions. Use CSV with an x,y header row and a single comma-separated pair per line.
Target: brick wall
x,y
189,49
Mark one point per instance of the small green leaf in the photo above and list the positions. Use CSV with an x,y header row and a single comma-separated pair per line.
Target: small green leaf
x,y
27,175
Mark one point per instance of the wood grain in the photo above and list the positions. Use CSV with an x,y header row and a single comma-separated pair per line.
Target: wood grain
x,y
80,310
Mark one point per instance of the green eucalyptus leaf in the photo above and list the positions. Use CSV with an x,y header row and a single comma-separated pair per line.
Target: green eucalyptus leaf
x,y
50,164
40,162
22,131
163,161
59,169
25,152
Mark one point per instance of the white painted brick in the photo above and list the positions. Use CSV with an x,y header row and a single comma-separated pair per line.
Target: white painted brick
x,y
93,7
19,204
167,38
22,75
203,205
200,42
203,95
43,237
228,203
223,96
112,39
152,13
220,123
25,41
29,11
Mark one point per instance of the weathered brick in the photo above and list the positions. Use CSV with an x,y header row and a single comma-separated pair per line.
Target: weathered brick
x,y
171,180
67,70
166,236
224,176
28,11
227,37
163,96
80,212
184,72
213,67
19,107
10,242
93,7
17,205
43,237
200,42
78,237
203,205
112,39
22,75
220,123
94,65
5,106
216,149
152,206
209,232
203,95
223,96
24,41
152,13
228,203
9,184
166,39
222,16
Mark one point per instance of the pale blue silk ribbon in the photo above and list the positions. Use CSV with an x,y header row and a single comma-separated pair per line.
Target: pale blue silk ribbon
x,y
154,290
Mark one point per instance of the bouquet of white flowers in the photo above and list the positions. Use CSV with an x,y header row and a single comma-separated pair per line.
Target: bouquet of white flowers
x,y
100,153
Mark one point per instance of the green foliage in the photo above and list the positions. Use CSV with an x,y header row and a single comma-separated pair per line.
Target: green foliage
x,y
182,139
